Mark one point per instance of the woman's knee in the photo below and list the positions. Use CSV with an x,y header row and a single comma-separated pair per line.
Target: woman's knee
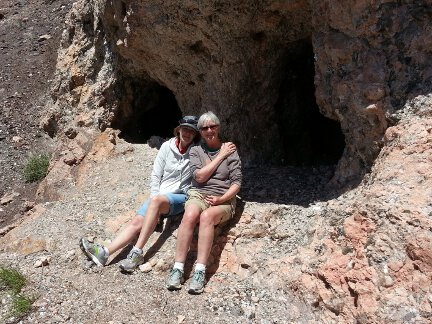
x,y
157,200
160,203
209,218
136,223
190,217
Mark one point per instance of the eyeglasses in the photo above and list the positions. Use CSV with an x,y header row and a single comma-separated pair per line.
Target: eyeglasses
x,y
206,128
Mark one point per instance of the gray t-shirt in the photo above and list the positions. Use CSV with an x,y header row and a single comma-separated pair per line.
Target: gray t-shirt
x,y
227,173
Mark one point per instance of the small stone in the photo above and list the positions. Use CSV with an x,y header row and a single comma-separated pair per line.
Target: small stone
x,y
161,265
128,149
28,205
17,139
44,261
249,313
388,281
180,318
8,198
153,262
88,264
38,264
146,267
70,255
69,158
44,37
40,303
112,138
71,132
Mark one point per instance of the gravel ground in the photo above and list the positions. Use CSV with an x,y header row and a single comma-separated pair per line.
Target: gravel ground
x,y
108,190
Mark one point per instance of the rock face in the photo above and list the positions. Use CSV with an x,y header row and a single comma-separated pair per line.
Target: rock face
x,y
136,66
375,262
263,67
123,62
371,58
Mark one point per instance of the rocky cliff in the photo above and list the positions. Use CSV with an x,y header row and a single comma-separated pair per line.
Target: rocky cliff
x,y
296,83
266,67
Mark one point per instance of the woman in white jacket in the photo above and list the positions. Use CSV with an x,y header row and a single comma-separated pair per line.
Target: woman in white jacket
x,y
170,180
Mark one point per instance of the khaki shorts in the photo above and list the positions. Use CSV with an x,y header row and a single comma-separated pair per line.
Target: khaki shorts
x,y
197,198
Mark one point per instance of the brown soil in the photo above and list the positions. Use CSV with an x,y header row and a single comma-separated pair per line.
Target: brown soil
x,y
29,36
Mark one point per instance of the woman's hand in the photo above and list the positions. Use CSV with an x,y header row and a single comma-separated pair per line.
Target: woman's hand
x,y
227,149
213,200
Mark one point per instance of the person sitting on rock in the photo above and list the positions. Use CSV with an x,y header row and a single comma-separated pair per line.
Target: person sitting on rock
x,y
170,181
217,177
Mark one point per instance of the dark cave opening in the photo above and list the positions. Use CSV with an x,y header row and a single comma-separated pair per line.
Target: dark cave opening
x,y
146,109
307,136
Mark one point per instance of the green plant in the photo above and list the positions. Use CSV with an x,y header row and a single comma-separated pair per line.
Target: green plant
x,y
36,168
12,279
21,305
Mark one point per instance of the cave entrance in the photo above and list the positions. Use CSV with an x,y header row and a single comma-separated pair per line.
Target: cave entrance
x,y
308,138
146,109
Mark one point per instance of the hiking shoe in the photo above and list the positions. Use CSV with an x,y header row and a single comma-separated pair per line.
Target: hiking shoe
x,y
175,279
132,261
94,251
198,281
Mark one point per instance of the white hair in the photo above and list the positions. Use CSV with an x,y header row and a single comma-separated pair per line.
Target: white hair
x,y
209,115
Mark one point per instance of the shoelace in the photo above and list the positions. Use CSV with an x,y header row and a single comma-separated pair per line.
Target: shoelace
x,y
133,255
199,276
176,273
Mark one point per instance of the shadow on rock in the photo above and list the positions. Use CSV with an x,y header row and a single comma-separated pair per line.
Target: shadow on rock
x,y
288,185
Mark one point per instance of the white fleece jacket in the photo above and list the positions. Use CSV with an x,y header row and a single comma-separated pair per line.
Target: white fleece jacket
x,y
171,172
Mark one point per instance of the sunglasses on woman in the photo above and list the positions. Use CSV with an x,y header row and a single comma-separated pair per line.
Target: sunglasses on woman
x,y
206,128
